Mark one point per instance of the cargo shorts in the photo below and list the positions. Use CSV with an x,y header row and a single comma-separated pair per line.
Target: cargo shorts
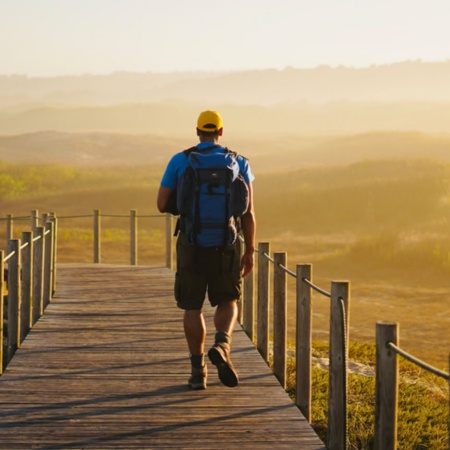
x,y
201,271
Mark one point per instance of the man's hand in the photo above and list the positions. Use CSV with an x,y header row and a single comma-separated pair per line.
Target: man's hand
x,y
247,263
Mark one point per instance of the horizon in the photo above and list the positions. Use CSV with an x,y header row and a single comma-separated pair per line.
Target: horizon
x,y
221,72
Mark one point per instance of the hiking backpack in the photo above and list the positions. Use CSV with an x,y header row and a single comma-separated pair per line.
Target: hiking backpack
x,y
211,196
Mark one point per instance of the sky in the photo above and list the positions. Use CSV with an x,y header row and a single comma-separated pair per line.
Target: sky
x,y
74,37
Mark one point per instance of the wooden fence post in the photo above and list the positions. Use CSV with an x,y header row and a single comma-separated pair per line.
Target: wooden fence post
x,y
386,391
48,263
279,318
34,220
241,304
9,228
169,235
249,305
54,219
27,283
133,238
2,287
337,394
14,297
97,239
262,333
38,274
303,346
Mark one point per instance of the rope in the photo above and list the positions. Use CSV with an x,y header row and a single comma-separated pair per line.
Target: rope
x,y
316,288
269,258
285,269
292,274
345,364
418,362
15,218
8,257
75,217
24,245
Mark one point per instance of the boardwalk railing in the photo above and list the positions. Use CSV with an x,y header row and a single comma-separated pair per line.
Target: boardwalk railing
x,y
28,276
253,315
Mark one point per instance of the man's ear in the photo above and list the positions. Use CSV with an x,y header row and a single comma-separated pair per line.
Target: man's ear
x,y
221,131
198,132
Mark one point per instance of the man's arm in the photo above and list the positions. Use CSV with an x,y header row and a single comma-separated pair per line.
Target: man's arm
x,y
162,201
248,223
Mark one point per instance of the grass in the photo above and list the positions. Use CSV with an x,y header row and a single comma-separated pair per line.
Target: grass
x,y
423,411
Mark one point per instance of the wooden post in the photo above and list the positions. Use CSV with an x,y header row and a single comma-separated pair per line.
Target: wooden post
x,y
279,318
133,238
2,287
38,274
97,238
169,249
241,304
386,390
9,228
303,346
339,337
48,263
262,334
249,305
54,247
27,283
14,297
34,220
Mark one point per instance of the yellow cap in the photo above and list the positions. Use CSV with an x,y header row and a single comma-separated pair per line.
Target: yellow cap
x,y
209,121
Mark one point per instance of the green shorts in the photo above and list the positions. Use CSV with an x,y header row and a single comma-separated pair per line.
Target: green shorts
x,y
215,271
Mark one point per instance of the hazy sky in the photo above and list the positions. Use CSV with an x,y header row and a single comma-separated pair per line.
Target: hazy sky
x,y
53,37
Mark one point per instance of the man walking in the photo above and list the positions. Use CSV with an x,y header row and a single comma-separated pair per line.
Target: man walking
x,y
205,265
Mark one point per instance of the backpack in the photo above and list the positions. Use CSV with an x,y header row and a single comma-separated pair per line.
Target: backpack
x,y
211,196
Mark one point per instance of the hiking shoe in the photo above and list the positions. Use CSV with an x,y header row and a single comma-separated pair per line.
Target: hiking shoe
x,y
198,378
219,355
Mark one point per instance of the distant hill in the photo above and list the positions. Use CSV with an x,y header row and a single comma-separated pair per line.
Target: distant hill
x,y
265,153
408,96
179,119
89,149
410,80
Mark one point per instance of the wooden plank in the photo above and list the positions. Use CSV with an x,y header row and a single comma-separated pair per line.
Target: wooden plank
x,y
107,365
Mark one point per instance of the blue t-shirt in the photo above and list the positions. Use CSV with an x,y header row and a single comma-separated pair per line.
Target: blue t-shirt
x,y
178,164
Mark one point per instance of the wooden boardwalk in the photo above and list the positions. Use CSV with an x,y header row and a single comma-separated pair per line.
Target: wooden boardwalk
x,y
107,367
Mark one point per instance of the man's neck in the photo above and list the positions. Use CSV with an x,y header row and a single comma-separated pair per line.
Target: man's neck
x,y
209,140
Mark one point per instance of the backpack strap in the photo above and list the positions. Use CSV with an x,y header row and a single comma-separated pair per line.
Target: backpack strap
x,y
192,149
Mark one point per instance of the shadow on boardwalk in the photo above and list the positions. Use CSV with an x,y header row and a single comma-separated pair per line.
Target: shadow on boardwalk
x,y
107,367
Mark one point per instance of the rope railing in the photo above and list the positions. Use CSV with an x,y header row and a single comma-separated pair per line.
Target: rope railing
x,y
316,288
8,257
340,369
29,274
5,219
418,362
338,352
294,275
117,216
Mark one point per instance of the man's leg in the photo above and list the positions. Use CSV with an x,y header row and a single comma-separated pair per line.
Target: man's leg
x,y
195,331
224,320
225,317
